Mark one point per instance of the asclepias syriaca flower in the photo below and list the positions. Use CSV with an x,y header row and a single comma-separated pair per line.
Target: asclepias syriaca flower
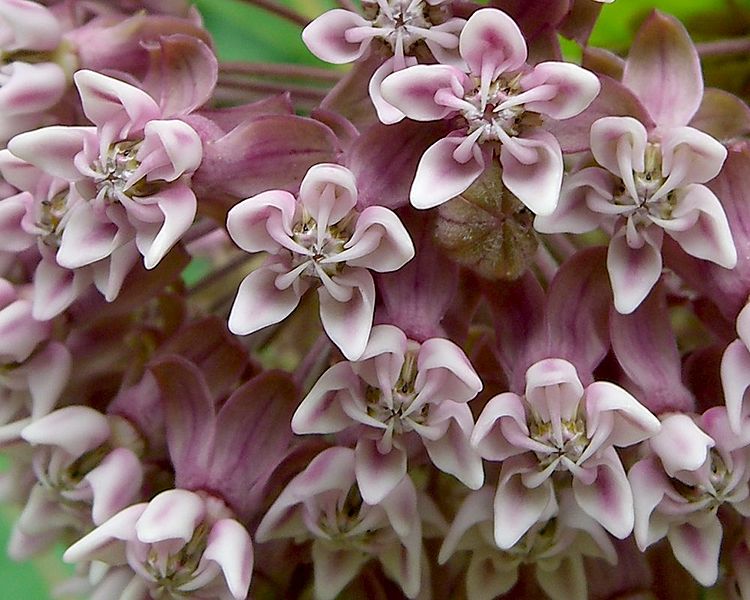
x,y
320,240
397,391
560,425
132,169
499,104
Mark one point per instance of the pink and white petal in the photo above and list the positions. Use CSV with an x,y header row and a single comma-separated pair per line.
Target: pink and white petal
x,y
681,445
348,324
380,242
574,213
260,303
115,482
442,41
110,274
170,149
55,288
321,411
633,272
574,88
501,428
619,144
697,548
440,176
377,474
49,372
735,380
171,515
664,71
178,204
700,226
648,484
553,389
105,542
88,236
633,422
326,37
743,325
28,26
75,429
52,149
31,88
328,192
609,499
491,43
445,373
414,91
230,547
20,333
263,222
536,183
387,113
334,568
452,453
402,508
19,173
111,103
13,238
690,156
517,508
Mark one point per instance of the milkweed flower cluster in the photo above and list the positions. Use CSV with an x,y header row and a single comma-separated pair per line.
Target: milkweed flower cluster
x,y
407,328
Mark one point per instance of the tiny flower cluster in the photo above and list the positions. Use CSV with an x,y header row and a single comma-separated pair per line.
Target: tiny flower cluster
x,y
479,400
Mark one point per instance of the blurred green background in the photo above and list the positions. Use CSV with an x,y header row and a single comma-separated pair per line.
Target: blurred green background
x,y
244,32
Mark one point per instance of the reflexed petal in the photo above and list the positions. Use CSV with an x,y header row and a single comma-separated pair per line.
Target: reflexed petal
x,y
116,483
52,149
88,236
664,71
441,177
28,26
56,288
445,372
99,542
172,515
502,415
633,271
387,113
260,303
518,508
230,547
328,192
690,156
76,429
574,213
537,183
380,242
31,88
413,90
697,549
170,149
326,36
574,88
618,144
178,204
321,410
112,103
608,499
735,379
50,371
699,225
453,453
348,324
261,222
20,333
492,43
377,474
649,485
681,445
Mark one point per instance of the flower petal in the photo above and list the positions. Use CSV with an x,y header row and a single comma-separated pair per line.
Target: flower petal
x,y
171,515
633,271
574,88
326,37
491,43
414,91
229,546
697,547
377,474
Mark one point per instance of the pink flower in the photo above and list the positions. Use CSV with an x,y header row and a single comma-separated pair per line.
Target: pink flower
x,y
317,239
556,548
500,103
697,466
323,504
180,543
397,391
340,36
132,171
651,175
558,425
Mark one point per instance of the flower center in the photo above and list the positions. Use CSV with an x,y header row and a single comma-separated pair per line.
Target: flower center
x,y
569,440
321,245
50,216
642,197
402,22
